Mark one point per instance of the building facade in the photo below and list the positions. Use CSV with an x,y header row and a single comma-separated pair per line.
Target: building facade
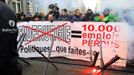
x,y
29,6
23,5
34,6
15,5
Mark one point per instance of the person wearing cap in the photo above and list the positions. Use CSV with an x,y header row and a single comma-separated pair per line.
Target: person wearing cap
x,y
8,43
89,16
97,17
108,16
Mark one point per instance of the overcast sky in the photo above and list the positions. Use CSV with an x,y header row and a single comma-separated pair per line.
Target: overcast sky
x,y
73,4
119,4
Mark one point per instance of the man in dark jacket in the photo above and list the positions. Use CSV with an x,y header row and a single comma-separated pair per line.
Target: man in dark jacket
x,y
64,15
77,16
89,16
8,35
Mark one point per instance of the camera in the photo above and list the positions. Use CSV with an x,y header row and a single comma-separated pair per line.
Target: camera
x,y
54,10
54,7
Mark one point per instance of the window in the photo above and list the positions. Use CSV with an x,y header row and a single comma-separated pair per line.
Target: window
x,y
14,7
18,5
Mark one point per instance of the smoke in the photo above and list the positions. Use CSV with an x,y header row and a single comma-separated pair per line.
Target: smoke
x,y
118,4
125,10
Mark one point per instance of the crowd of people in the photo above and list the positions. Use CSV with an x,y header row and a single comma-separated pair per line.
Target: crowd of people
x,y
55,15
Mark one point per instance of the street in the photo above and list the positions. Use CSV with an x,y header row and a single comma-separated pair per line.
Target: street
x,y
37,68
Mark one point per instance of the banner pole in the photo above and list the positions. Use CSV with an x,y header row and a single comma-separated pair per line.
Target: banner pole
x,y
51,47
46,58
20,41
91,60
101,55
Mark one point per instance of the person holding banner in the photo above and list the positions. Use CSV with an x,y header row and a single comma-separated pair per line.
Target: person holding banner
x,y
89,16
8,41
108,16
64,15
77,16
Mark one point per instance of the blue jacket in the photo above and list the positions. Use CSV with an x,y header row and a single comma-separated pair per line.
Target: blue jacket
x,y
64,18
77,18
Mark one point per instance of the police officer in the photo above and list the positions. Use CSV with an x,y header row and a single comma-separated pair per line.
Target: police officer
x,y
8,35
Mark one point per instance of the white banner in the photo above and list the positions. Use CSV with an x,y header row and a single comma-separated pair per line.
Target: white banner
x,y
72,40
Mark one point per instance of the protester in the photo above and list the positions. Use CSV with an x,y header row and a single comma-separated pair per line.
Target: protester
x,y
111,18
64,15
18,17
97,17
54,9
21,16
70,15
77,16
55,15
36,17
89,16
50,17
29,16
108,16
42,16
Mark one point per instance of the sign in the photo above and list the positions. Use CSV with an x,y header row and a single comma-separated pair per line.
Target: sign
x,y
72,40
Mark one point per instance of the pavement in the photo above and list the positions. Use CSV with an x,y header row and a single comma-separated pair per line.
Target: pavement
x,y
38,68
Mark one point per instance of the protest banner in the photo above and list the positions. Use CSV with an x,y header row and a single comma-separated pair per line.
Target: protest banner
x,y
72,40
